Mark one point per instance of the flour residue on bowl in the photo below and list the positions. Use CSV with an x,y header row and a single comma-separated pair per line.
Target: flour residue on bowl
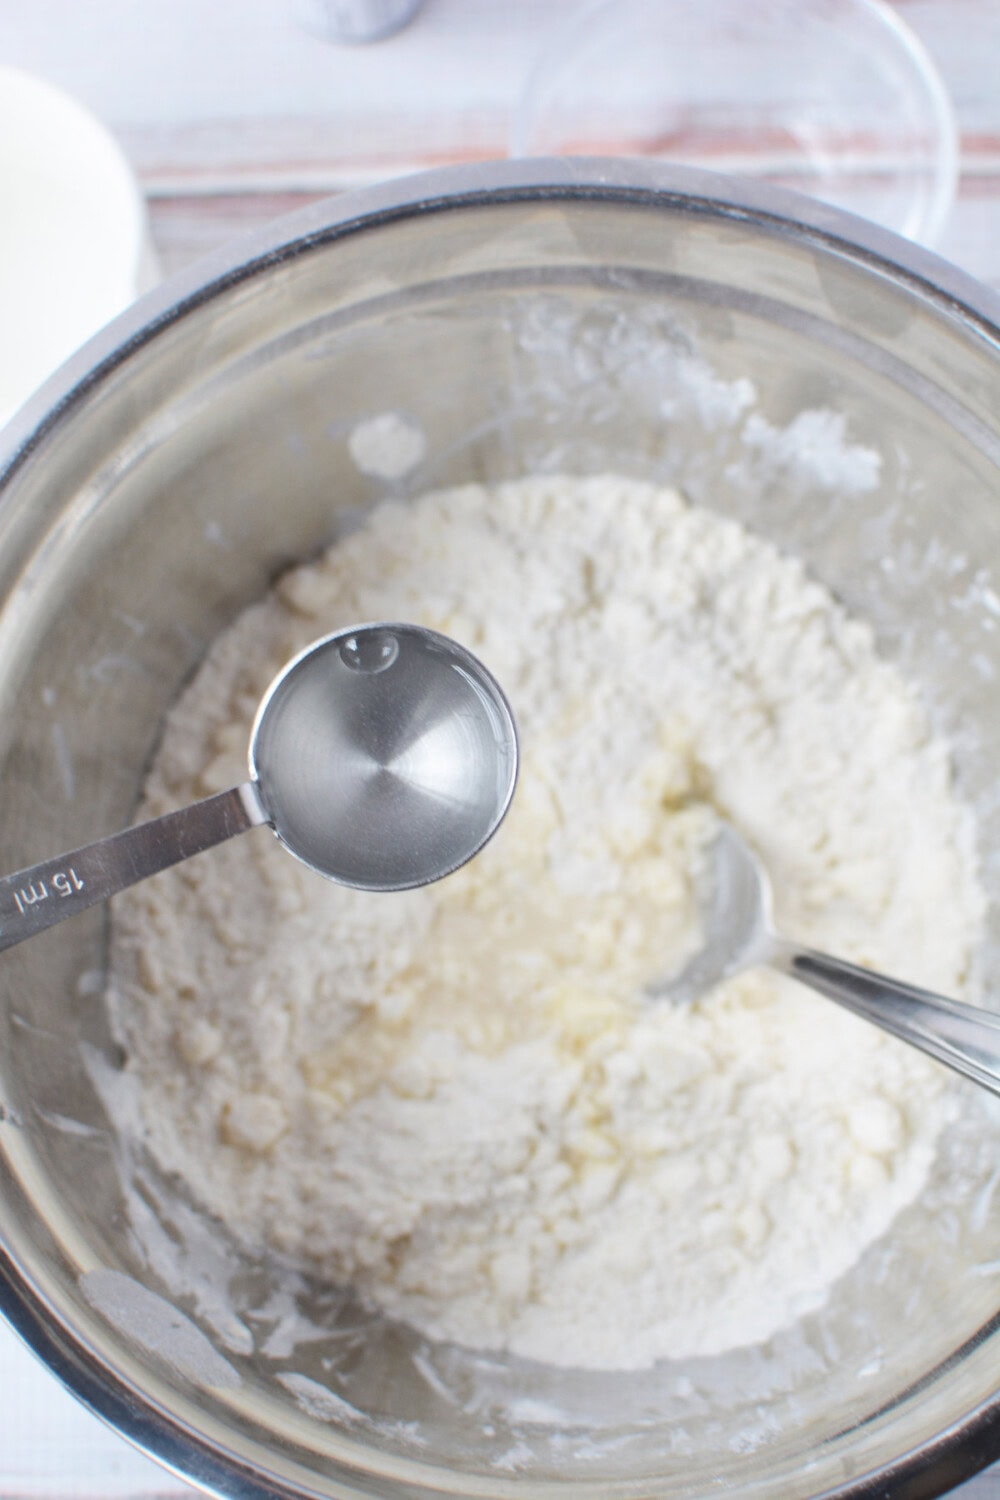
x,y
460,1100
387,446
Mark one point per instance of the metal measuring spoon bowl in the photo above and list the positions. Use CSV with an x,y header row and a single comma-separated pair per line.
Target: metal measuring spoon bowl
x,y
384,757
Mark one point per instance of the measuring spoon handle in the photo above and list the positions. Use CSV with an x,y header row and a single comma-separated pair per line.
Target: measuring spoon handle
x,y
964,1037
42,895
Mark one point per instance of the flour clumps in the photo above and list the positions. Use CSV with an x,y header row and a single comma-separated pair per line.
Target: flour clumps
x,y
460,1099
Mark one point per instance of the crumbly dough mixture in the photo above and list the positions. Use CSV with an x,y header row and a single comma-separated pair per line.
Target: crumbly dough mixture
x,y
460,1099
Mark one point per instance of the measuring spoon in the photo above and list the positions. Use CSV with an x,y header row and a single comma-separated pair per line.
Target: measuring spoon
x,y
383,757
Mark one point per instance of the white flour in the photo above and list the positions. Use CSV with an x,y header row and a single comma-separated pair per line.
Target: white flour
x,y
458,1099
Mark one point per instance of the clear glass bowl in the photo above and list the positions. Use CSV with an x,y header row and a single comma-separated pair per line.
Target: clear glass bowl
x,y
522,317
837,98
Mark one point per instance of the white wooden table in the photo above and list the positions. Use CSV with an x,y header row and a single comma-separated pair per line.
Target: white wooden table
x,y
231,113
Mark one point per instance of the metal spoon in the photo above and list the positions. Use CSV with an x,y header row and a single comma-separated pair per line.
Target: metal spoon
x,y
383,756
739,935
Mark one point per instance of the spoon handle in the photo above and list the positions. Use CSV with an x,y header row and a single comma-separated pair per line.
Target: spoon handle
x,y
961,1036
44,894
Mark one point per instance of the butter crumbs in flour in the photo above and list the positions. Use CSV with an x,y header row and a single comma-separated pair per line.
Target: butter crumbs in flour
x,y
458,1099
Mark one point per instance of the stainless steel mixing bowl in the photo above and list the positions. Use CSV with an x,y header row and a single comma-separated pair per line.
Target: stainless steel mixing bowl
x,y
522,317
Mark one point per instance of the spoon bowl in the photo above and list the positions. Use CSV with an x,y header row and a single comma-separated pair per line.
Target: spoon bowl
x,y
385,757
